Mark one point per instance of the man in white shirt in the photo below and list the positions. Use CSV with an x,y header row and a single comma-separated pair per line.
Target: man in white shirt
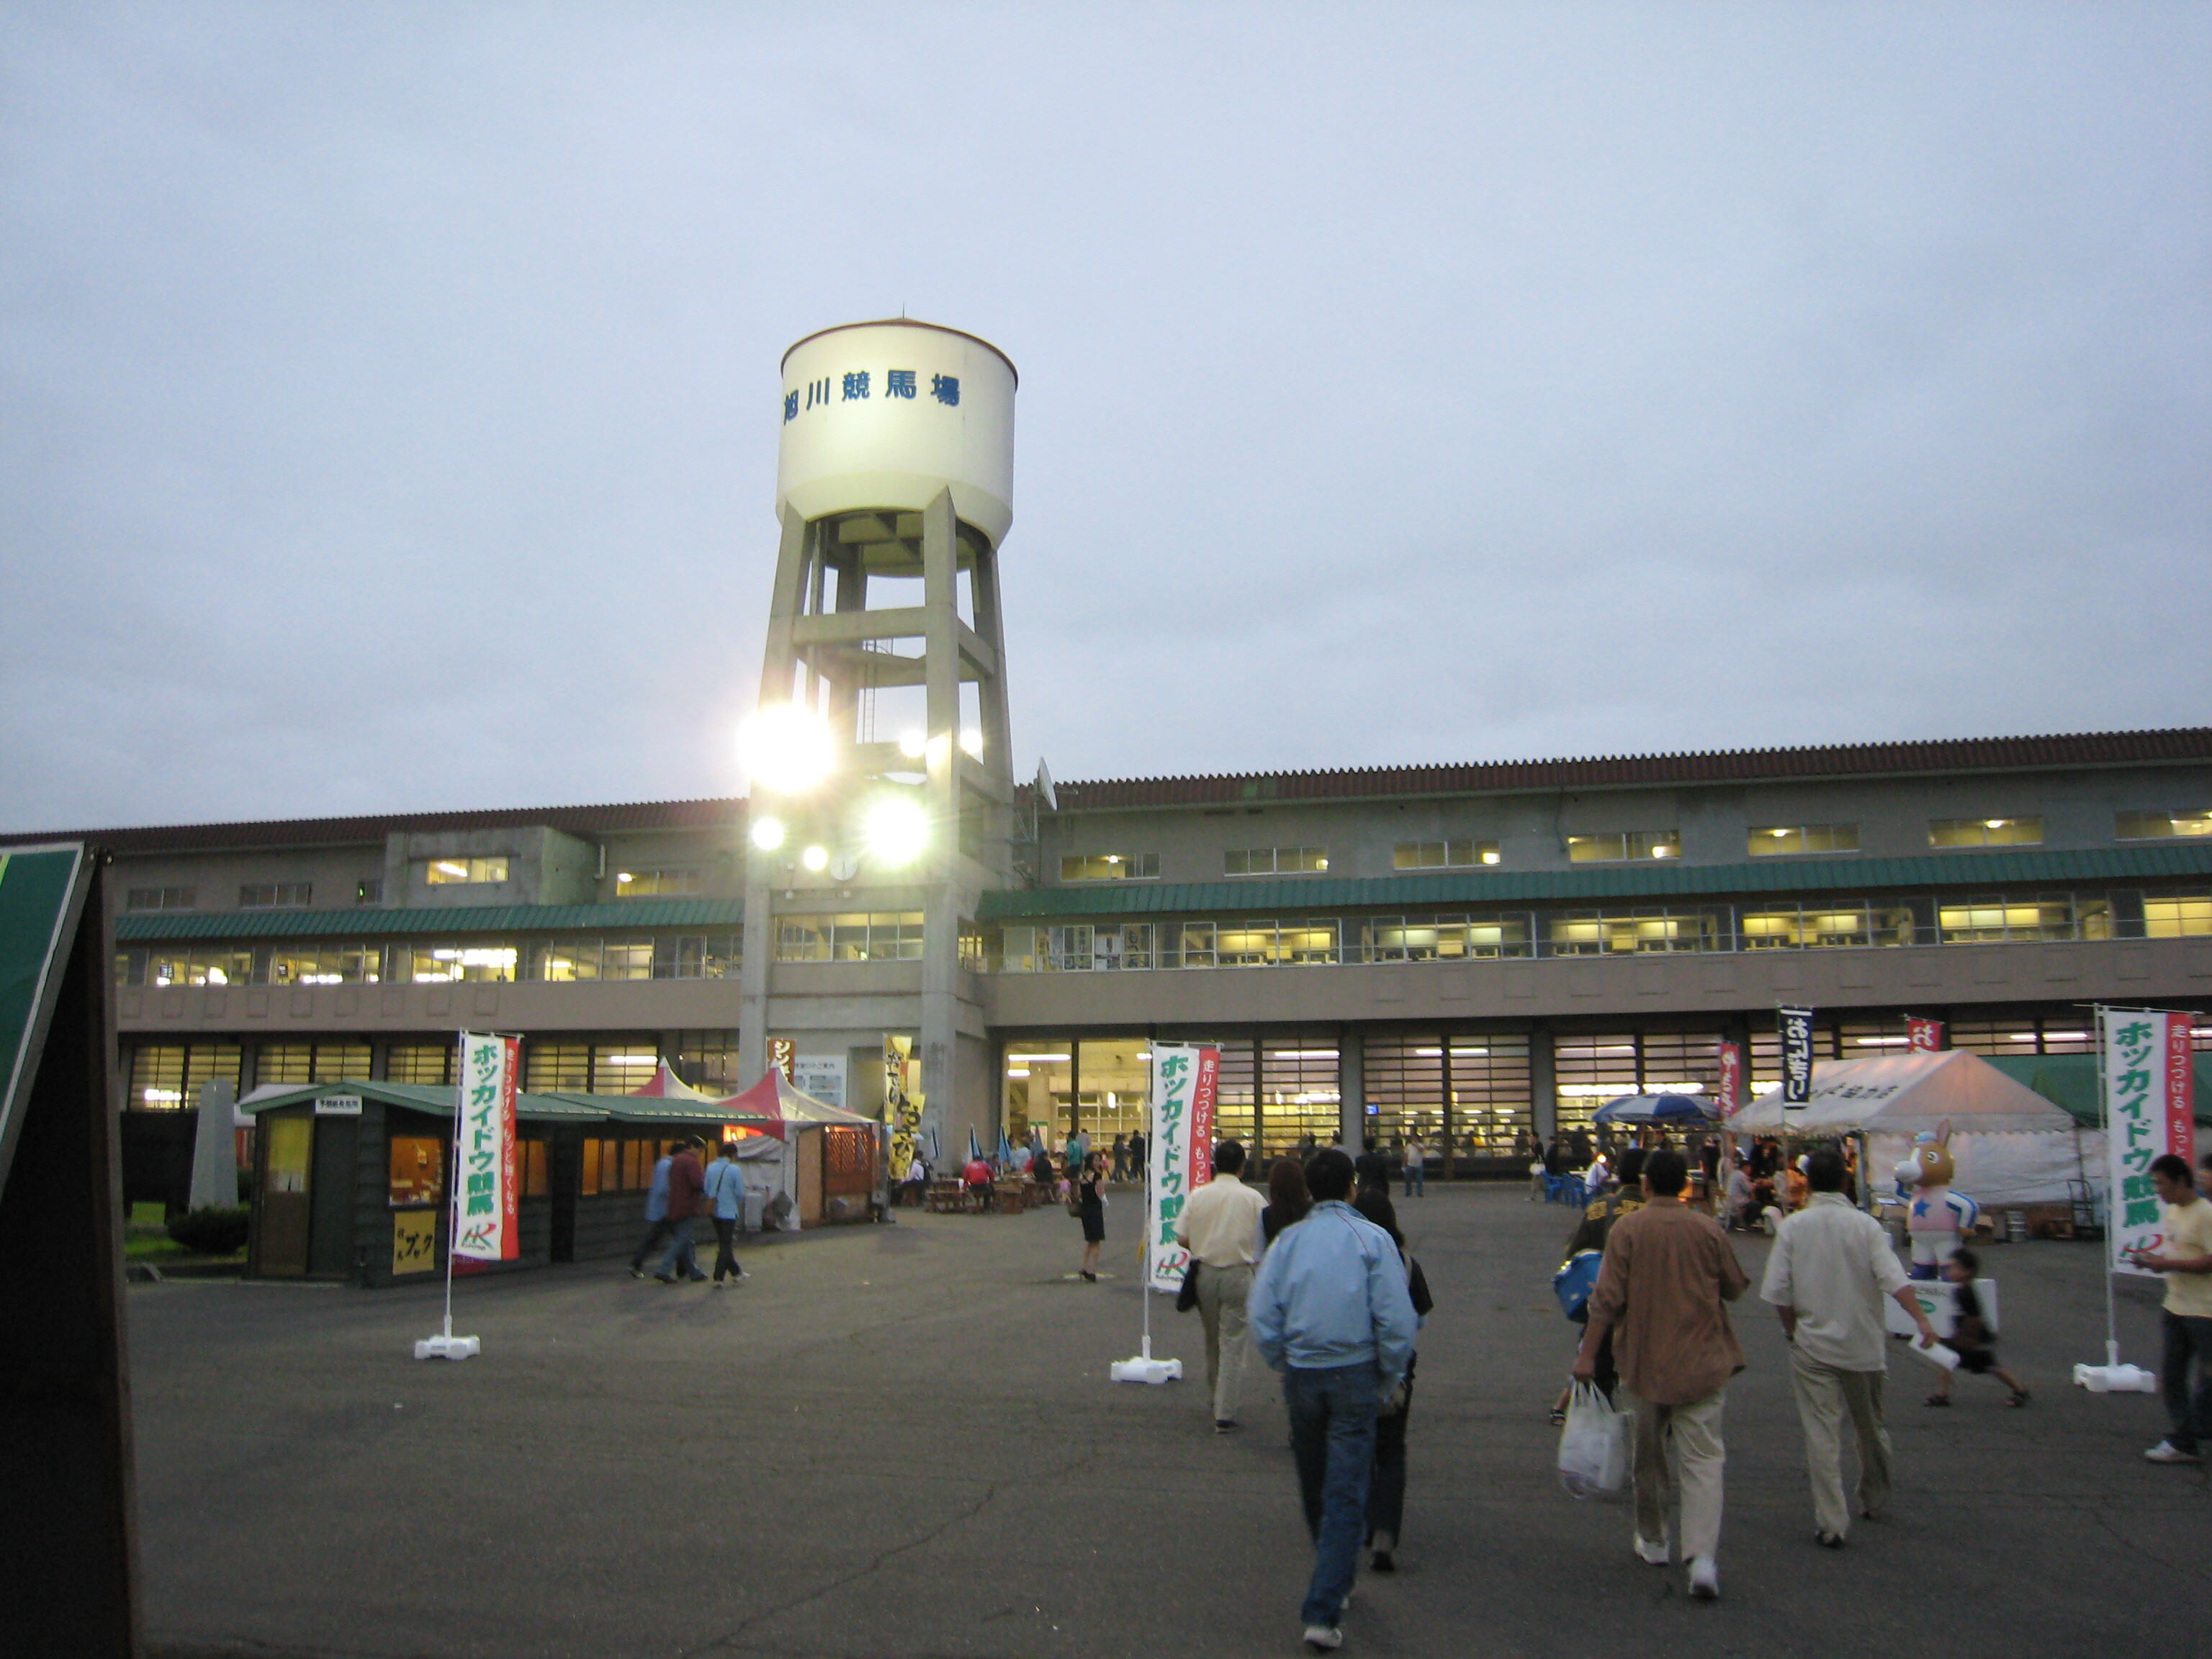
x,y
1831,1267
1220,1227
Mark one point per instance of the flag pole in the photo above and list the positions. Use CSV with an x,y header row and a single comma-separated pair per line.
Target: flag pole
x,y
445,1344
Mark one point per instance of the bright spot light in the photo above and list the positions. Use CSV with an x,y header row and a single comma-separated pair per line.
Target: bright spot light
x,y
1994,824
896,830
767,834
911,744
624,878
972,741
815,857
786,748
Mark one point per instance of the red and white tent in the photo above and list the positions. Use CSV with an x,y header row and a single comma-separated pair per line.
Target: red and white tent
x,y
667,1085
774,1107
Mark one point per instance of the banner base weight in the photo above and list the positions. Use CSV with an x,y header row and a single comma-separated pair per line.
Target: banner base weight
x,y
1142,1369
448,1347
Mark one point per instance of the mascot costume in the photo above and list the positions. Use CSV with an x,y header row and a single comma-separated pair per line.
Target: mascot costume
x,y
1937,1216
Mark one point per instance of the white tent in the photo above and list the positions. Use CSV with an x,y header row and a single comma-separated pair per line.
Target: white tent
x,y
2010,1144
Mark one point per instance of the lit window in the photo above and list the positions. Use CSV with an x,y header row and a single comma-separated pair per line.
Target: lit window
x,y
2148,826
2177,915
1985,832
655,883
1442,855
1769,841
443,965
464,872
1596,933
368,892
275,894
1620,844
1110,867
1998,920
1275,862
161,898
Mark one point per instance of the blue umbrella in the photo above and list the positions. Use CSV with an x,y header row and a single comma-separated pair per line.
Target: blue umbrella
x,y
1685,1109
975,1151
1005,1152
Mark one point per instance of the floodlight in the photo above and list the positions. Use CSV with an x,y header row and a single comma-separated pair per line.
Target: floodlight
x,y
896,830
815,858
787,747
911,744
767,834
972,741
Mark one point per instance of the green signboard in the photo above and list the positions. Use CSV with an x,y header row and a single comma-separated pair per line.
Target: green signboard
x,y
39,899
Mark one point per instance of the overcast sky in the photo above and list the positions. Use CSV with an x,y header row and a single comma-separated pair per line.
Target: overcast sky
x,y
391,392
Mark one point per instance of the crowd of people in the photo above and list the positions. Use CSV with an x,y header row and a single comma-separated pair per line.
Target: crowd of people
x,y
1315,1276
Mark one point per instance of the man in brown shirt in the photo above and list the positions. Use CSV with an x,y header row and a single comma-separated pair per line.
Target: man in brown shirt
x,y
1669,1274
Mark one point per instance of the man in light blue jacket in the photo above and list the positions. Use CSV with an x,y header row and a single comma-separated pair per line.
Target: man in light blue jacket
x,y
1329,1309
658,1227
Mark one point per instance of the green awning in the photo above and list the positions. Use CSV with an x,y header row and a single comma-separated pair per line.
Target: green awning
x,y
437,1099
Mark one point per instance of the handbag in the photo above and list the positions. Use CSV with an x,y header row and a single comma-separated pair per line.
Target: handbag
x,y
1187,1298
1576,1279
1595,1444
1417,1286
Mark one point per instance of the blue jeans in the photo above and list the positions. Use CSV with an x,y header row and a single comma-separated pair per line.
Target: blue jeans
x,y
1416,1181
682,1261
1332,1441
2190,1410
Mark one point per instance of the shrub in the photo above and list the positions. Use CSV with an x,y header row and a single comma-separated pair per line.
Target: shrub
x,y
211,1231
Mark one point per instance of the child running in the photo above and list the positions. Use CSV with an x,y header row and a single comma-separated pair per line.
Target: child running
x,y
1970,1340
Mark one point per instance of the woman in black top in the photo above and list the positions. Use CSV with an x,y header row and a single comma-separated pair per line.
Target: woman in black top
x,y
1090,1206
1288,1200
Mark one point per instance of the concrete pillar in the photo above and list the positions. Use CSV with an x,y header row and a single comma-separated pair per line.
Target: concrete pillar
x,y
1352,1088
1543,1078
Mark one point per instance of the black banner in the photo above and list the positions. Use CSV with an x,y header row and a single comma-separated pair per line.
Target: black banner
x,y
1796,1025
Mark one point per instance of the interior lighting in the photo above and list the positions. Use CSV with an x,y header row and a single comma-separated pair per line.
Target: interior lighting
x,y
173,1094
815,858
1489,857
786,748
1994,824
624,878
1779,834
896,830
1662,850
1017,1071
911,744
1040,1059
767,834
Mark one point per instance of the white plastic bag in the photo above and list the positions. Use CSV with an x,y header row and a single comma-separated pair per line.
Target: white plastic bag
x,y
1595,1444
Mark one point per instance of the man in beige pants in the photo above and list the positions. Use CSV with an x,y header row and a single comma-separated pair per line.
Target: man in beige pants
x,y
1669,1276
1220,1227
1830,1267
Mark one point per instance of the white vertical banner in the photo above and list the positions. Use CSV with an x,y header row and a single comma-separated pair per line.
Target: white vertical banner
x,y
1178,1152
485,1187
2149,1110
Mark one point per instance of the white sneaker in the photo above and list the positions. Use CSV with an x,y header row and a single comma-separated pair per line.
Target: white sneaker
x,y
1324,1639
1705,1580
1655,1553
2166,1452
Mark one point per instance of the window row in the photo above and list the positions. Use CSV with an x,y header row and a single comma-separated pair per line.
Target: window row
x,y
880,935
1639,930
167,1076
693,956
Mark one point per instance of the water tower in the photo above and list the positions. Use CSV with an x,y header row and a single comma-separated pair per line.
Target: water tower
x,y
880,753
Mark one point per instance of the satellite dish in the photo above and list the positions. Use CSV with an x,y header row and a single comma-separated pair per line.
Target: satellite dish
x,y
845,866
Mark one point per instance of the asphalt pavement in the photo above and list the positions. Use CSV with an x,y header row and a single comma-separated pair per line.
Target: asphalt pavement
x,y
902,1441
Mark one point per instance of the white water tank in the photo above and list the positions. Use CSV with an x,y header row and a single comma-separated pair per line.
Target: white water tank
x,y
882,416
